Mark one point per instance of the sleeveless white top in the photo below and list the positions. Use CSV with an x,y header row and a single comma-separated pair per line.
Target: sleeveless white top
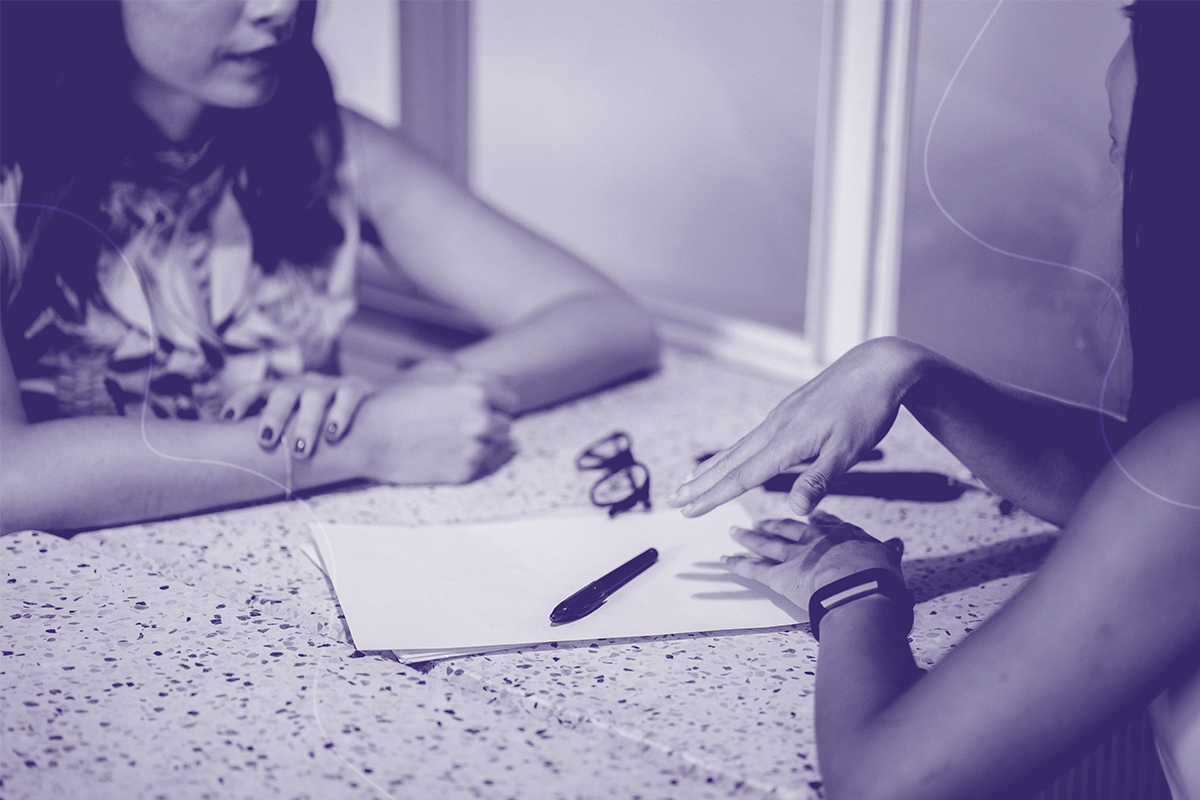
x,y
1175,717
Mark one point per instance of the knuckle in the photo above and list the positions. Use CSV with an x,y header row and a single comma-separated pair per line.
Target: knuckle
x,y
738,478
313,395
725,467
473,426
281,396
477,392
468,465
814,481
467,395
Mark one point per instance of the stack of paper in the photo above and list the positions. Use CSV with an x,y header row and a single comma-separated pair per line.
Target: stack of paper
x,y
439,590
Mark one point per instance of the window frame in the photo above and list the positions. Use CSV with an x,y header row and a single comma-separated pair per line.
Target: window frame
x,y
864,109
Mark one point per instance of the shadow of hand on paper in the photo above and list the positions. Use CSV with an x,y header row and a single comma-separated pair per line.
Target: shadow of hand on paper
x,y
738,588
928,577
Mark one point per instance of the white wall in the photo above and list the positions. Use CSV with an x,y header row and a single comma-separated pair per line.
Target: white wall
x,y
359,41
668,141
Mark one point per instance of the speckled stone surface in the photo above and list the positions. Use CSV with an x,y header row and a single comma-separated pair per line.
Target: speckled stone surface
x,y
206,658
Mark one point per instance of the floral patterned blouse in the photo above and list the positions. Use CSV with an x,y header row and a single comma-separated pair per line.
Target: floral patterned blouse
x,y
180,294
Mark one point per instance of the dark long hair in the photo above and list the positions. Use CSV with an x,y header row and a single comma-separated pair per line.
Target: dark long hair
x,y
66,118
1161,217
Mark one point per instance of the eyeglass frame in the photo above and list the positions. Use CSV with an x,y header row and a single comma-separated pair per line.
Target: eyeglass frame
x,y
620,462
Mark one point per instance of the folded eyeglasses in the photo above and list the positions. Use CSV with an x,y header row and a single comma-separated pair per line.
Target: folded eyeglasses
x,y
625,482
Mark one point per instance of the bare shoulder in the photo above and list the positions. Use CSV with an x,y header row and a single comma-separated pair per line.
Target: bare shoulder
x,y
1163,460
1137,532
376,147
392,178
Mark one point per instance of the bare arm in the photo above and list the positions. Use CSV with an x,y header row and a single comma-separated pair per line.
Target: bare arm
x,y
1110,617
90,471
1037,451
93,471
1101,624
559,328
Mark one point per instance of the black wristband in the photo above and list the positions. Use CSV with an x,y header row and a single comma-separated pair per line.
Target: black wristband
x,y
860,584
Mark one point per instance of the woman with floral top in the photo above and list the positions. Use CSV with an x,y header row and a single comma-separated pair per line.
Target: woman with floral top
x,y
183,206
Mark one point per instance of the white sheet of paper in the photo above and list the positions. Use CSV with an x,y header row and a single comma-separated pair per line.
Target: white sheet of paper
x,y
468,588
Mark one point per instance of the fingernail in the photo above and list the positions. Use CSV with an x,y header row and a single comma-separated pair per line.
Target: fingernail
x,y
228,413
331,430
267,434
300,445
673,496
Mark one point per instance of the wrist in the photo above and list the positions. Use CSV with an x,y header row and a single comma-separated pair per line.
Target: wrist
x,y
925,373
501,394
350,456
437,364
876,616
847,558
857,587
907,362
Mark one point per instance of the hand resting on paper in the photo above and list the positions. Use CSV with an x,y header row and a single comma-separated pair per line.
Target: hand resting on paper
x,y
796,558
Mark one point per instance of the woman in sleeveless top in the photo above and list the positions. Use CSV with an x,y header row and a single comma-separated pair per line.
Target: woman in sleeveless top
x,y
182,205
1112,618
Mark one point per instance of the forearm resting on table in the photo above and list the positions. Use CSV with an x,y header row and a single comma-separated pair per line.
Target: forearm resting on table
x,y
1108,620
94,471
578,345
1039,452
863,665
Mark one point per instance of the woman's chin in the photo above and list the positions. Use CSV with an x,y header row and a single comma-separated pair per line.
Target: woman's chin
x,y
243,94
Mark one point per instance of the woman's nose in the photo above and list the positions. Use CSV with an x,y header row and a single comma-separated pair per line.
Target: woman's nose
x,y
272,13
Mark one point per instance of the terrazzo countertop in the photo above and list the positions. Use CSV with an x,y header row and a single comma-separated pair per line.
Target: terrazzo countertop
x,y
205,657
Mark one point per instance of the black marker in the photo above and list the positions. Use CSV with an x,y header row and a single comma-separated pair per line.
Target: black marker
x,y
592,596
929,487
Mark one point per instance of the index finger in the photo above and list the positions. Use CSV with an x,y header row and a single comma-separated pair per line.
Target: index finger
x,y
712,469
727,480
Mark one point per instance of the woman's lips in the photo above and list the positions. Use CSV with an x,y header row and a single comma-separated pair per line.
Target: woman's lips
x,y
264,56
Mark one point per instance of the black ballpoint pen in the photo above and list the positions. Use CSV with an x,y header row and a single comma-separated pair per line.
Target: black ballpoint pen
x,y
592,596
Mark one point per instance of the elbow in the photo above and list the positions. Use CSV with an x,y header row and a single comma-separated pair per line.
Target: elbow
x,y
861,782
645,344
843,785
16,513
631,334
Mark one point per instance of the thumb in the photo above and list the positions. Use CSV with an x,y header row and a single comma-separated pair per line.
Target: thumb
x,y
499,390
811,486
